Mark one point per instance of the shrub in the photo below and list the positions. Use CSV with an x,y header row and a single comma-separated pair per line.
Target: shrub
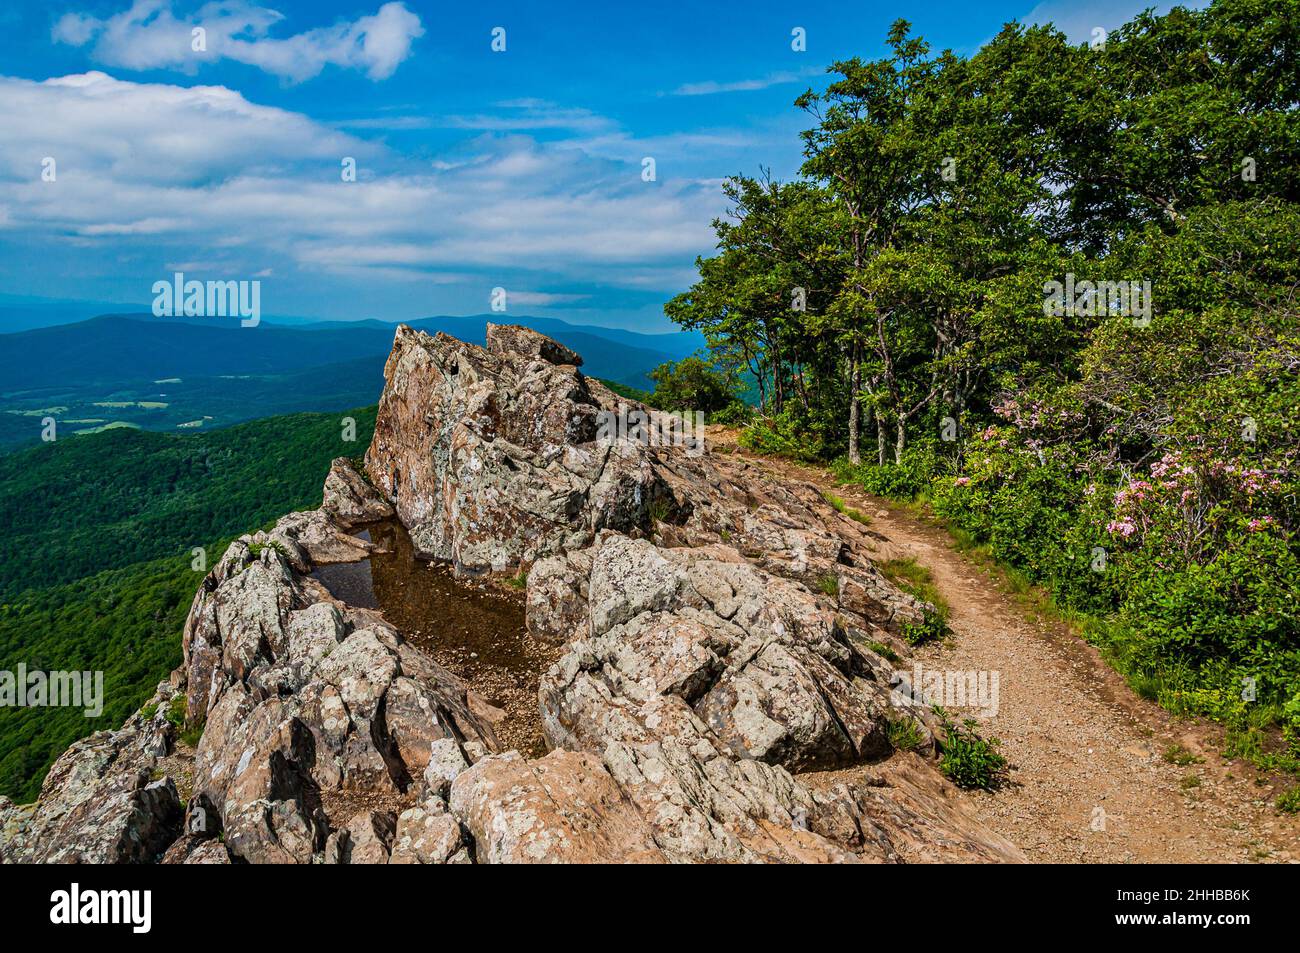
x,y
885,652
969,760
898,481
783,435
931,628
695,383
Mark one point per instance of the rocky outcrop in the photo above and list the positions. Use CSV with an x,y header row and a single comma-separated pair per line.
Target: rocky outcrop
x,y
491,455
719,694
775,676
102,801
304,701
563,808
350,498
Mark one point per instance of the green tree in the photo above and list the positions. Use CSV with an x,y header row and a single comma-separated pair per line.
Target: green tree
x,y
695,384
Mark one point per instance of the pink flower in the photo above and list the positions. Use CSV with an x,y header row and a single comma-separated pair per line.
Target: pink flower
x,y
961,481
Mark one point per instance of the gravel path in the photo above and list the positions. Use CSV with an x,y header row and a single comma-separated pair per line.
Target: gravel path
x,y
1090,780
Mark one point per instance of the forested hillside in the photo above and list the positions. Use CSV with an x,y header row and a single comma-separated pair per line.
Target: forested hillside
x,y
96,555
81,505
1051,289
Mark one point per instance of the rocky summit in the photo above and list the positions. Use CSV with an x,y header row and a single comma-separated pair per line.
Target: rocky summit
x,y
719,695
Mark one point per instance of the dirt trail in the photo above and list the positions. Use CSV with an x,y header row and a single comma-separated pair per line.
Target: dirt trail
x,y
1082,746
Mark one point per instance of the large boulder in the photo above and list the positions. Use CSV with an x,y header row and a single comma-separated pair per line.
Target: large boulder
x,y
491,456
101,803
771,671
563,808
350,497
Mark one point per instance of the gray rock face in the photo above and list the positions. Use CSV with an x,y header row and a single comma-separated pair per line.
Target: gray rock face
x,y
304,699
100,804
563,808
350,498
773,674
428,834
702,681
490,455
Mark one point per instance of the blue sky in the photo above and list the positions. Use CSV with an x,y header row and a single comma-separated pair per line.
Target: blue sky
x,y
476,169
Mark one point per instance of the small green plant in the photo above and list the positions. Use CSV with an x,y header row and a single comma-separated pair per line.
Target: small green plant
x,y
905,734
931,628
841,507
969,760
359,465
885,652
148,711
519,581
255,549
1177,754
829,584
1189,781
176,711
194,733
658,510
1289,801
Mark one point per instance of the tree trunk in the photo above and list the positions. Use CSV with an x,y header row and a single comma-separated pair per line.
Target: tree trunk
x,y
855,412
880,439
902,439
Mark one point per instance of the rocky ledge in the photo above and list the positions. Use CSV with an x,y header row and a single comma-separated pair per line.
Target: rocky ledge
x,y
719,694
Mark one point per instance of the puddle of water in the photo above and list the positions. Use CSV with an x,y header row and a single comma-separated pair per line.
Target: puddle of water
x,y
476,632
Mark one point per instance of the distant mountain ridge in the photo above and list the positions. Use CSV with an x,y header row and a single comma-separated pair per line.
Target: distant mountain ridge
x,y
167,374
120,347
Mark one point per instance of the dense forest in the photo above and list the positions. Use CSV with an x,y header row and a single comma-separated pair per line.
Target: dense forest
x,y
1050,290
84,504
97,571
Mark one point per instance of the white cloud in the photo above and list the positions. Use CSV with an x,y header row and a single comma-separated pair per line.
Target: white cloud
x,y
155,133
541,299
711,87
529,114
516,115
172,173
149,36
